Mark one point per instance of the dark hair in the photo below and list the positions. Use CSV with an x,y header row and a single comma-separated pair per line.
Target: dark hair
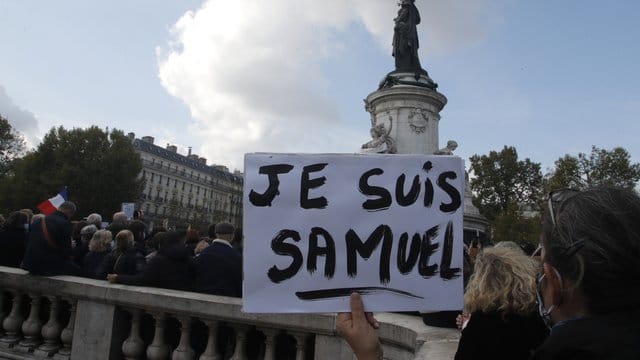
x,y
595,244
211,231
16,220
168,239
193,237
77,227
139,229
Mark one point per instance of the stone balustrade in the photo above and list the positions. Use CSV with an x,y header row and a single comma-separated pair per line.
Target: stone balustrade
x,y
67,317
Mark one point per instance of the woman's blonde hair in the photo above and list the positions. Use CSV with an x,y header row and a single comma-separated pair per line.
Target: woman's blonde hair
x,y
99,240
503,280
124,241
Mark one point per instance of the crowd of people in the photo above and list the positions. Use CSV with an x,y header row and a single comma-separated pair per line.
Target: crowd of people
x,y
577,298
124,251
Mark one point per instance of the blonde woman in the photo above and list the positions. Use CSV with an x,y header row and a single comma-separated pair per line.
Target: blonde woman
x,y
501,299
96,254
124,259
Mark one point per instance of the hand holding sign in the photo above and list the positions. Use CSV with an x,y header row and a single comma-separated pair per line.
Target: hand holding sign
x,y
318,227
358,330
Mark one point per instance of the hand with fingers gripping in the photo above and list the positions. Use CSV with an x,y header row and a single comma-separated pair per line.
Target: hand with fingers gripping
x,y
359,330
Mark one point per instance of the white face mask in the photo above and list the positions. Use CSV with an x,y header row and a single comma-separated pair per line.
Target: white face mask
x,y
545,314
26,227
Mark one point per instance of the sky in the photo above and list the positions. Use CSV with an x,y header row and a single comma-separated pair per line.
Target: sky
x,y
227,78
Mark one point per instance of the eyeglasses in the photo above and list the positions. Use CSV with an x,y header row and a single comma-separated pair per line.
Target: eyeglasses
x,y
559,197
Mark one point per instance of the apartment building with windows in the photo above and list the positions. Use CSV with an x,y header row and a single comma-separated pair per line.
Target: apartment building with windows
x,y
184,189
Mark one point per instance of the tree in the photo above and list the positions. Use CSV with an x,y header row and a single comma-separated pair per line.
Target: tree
x,y
11,146
101,170
512,225
600,167
501,180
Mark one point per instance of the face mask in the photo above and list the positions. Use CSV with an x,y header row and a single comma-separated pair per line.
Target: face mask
x,y
26,227
545,314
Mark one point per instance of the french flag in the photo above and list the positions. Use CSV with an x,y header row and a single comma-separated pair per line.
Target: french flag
x,y
49,206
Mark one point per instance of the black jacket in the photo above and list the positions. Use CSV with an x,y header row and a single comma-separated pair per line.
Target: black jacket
x,y
603,337
171,268
128,263
91,264
42,258
493,336
219,271
12,245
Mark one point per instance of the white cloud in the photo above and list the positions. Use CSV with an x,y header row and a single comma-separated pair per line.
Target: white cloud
x,y
250,73
24,121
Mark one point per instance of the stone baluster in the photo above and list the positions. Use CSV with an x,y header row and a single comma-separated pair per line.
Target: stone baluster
x,y
32,327
184,350
67,333
269,342
12,324
133,346
241,335
158,350
2,313
51,331
301,344
211,352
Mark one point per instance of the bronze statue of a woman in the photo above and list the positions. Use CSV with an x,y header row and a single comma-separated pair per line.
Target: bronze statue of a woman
x,y
405,39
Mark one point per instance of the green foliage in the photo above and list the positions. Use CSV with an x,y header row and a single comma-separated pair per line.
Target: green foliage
x,y
11,146
512,225
501,180
600,167
100,170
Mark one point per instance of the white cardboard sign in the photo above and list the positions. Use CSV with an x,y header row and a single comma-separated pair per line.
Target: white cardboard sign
x,y
319,226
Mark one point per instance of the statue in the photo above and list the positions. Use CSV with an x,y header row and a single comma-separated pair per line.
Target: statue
x,y
405,39
381,142
449,149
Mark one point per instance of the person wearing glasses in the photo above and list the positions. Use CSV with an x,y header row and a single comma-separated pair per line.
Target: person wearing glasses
x,y
589,284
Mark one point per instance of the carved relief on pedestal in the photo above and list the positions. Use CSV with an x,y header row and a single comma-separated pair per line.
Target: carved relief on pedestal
x,y
418,120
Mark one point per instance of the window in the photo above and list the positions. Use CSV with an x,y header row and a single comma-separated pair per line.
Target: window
x,y
168,181
183,184
152,176
159,179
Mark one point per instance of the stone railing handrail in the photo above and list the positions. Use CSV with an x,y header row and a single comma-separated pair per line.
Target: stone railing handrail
x,y
401,334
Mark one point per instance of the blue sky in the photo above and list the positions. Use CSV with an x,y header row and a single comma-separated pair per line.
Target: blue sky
x,y
548,77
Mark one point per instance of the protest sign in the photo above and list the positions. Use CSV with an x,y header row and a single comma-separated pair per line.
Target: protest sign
x,y
128,209
319,226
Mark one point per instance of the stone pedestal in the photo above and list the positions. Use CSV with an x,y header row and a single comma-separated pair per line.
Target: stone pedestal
x,y
410,113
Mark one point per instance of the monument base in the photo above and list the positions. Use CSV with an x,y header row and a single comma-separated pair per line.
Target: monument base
x,y
410,113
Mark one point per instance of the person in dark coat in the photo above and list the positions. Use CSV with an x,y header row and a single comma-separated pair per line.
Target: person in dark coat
x,y
589,286
220,265
48,249
139,230
124,259
82,246
171,268
500,297
13,239
97,252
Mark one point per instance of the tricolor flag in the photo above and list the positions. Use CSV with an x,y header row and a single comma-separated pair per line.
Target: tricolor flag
x,y
49,206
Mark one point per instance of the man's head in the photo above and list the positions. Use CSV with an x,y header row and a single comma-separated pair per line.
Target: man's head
x,y
86,233
68,208
95,219
224,231
119,217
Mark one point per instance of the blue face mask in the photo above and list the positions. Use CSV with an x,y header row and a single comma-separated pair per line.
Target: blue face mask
x,y
26,227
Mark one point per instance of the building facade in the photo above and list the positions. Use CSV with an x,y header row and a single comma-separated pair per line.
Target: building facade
x,y
184,189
